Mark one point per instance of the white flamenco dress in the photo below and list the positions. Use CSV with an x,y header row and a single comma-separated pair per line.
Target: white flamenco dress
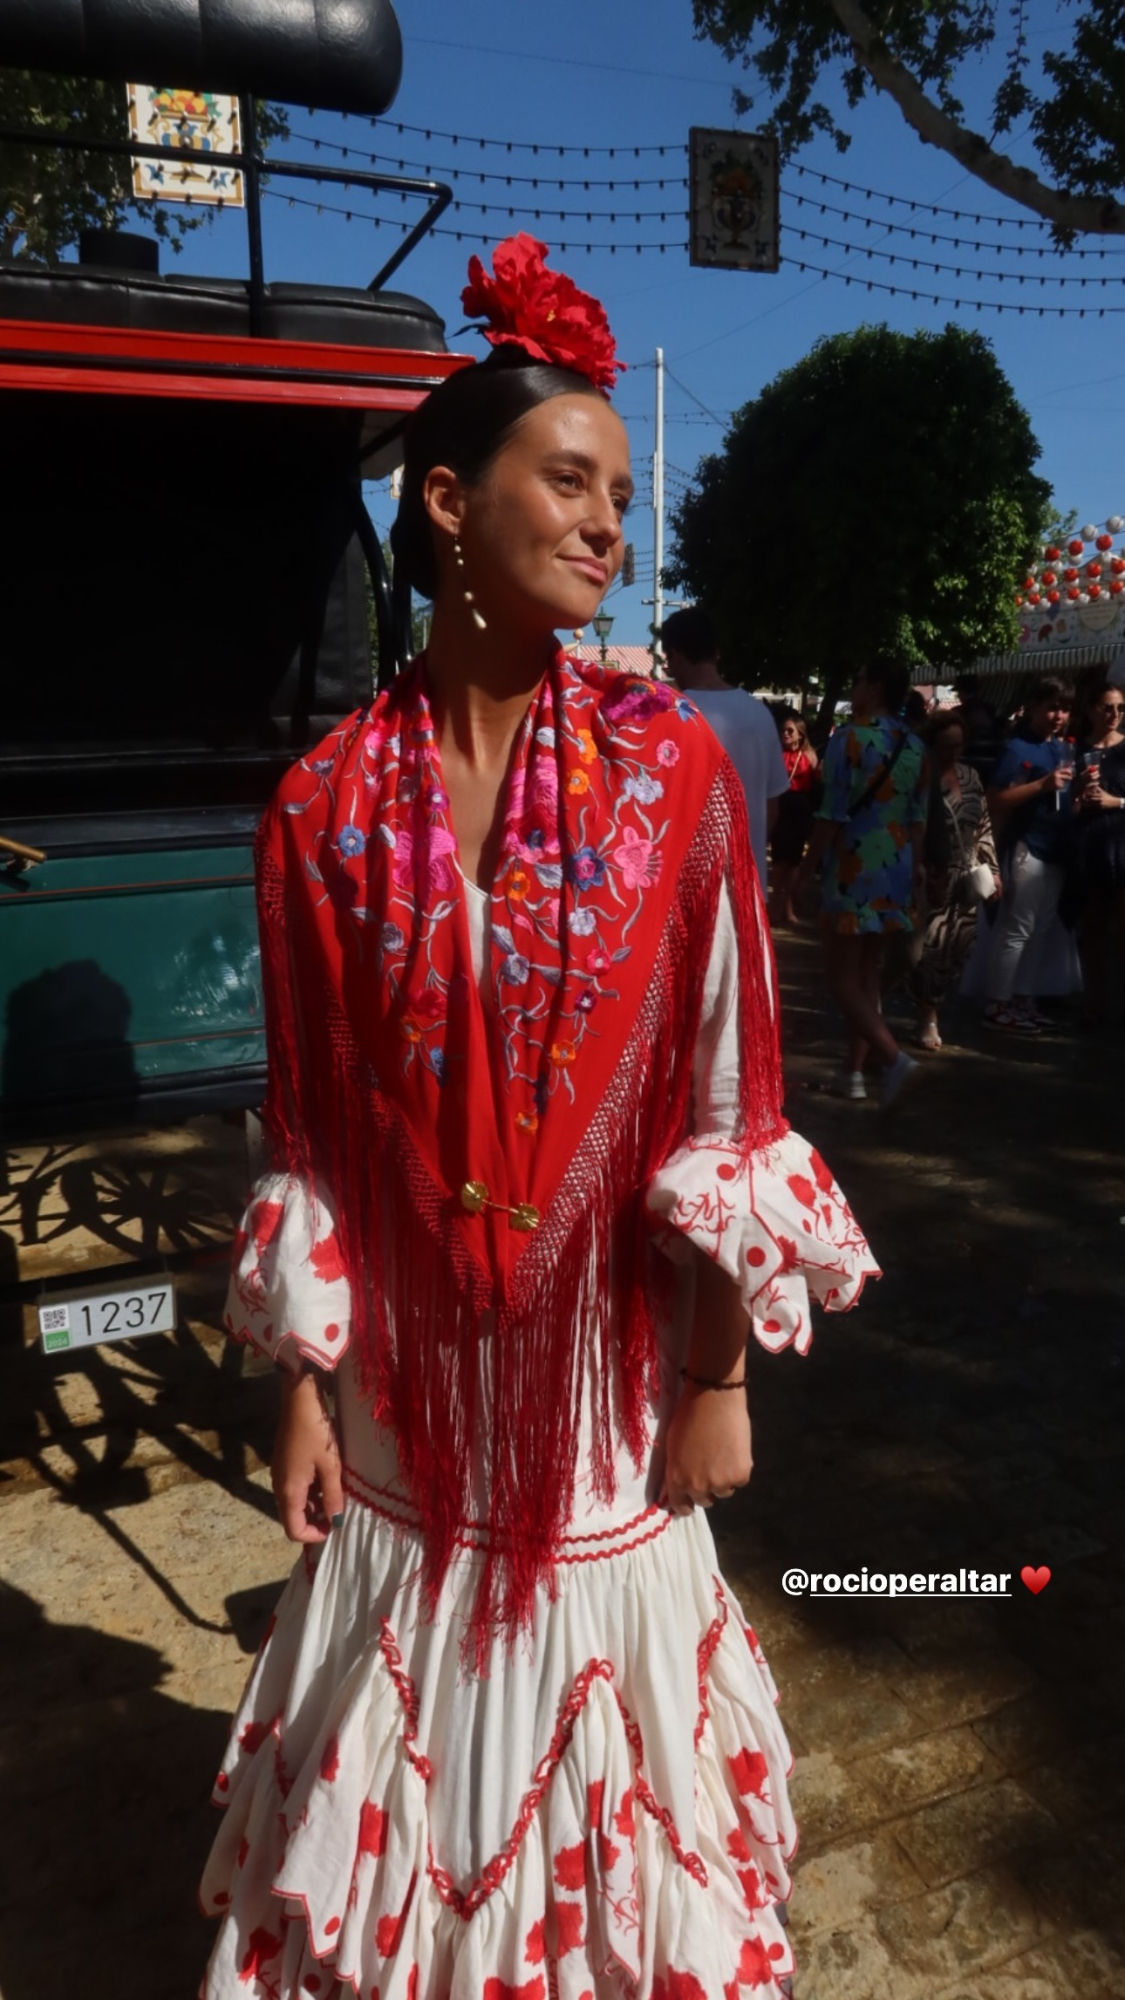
x,y
604,1816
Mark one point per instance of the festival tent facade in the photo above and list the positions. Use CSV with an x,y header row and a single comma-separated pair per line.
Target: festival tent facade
x,y
1071,605
1072,608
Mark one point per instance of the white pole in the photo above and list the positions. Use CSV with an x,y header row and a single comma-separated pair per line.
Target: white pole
x,y
658,502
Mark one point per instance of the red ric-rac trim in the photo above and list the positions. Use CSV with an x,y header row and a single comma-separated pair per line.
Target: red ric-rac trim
x,y
703,1656
408,1696
465,1902
661,1814
473,1536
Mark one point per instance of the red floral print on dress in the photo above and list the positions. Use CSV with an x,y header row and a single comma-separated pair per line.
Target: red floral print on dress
x,y
389,1930
265,1221
570,1866
325,1260
569,1917
542,311
677,1986
253,1736
756,1965
751,1773
498,1989
608,1852
330,1761
262,1947
373,1823
750,1879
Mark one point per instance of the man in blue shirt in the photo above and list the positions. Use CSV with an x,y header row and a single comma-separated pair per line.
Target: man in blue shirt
x,y
1030,800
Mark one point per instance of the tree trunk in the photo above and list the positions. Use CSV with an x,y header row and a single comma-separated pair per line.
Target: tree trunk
x,y
1069,214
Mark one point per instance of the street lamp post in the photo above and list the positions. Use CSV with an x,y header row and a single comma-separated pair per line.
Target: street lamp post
x,y
603,626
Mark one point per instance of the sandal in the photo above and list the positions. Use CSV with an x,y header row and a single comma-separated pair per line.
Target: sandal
x,y
927,1038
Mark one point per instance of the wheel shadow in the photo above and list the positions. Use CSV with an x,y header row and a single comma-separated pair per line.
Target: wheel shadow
x,y
106,1780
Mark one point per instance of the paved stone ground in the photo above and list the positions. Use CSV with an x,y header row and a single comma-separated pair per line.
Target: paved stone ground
x,y
960,1774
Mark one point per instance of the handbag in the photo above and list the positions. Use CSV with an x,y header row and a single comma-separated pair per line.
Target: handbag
x,y
980,882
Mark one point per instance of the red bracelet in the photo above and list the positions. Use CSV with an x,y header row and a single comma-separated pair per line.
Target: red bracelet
x,y
709,1381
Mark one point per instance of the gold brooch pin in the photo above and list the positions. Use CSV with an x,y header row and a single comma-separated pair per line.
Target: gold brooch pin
x,y
475,1197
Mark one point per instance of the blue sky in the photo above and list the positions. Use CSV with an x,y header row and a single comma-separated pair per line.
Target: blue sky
x,y
634,76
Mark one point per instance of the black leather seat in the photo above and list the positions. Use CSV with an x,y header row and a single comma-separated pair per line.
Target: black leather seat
x,y
88,295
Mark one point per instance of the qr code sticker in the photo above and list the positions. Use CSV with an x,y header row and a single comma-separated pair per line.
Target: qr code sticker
x,y
54,1319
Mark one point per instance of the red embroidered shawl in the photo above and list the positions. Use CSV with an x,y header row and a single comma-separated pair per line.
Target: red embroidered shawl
x,y
560,1092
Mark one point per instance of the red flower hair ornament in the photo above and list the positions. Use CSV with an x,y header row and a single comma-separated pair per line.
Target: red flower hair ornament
x,y
542,311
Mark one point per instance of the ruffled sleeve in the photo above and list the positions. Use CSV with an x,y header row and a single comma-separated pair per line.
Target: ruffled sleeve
x,y
779,1224
289,1295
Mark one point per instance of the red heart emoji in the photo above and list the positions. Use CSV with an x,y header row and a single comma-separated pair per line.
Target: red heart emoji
x,y
1035,1579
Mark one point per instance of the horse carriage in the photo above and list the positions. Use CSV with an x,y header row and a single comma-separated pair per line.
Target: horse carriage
x,y
191,584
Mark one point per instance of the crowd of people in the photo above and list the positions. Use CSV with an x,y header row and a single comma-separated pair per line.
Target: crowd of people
x,y
948,849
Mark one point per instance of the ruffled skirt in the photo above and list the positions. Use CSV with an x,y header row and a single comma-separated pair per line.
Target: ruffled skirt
x,y
604,1815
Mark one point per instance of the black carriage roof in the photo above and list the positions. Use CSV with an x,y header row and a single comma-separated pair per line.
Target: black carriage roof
x,y
333,55
150,333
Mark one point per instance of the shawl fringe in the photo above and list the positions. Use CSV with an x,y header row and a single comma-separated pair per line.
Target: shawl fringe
x,y
445,1361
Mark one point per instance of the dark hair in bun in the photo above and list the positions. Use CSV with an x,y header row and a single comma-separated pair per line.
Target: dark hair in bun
x,y
464,425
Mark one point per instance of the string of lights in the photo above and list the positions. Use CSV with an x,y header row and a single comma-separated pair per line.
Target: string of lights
x,y
541,149
946,298
487,239
697,400
429,170
958,270
564,185
533,146
584,241
914,205
936,235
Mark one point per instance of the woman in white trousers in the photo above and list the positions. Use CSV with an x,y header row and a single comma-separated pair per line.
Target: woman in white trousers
x,y
1029,799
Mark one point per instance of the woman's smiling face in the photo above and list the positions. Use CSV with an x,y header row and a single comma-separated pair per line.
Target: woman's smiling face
x,y
541,531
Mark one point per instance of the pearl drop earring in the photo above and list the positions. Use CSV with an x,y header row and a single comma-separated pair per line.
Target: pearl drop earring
x,y
479,621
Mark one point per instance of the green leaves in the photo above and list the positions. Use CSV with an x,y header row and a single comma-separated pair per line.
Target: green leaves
x,y
876,496
1072,94
47,197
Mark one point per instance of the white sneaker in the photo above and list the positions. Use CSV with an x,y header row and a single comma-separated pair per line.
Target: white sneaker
x,y
895,1076
849,1083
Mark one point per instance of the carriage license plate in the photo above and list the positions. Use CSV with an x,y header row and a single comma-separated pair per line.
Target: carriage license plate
x,y
94,1317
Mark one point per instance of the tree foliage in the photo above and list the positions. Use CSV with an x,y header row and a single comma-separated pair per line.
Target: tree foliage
x,y
48,196
1070,98
876,496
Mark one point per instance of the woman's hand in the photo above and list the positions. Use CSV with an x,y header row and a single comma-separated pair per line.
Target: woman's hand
x,y
707,1448
307,1485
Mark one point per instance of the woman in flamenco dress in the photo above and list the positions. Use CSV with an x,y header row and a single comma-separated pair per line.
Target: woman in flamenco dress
x,y
510,1735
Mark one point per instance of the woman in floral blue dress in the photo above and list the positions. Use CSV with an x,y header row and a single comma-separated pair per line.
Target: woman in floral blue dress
x,y
867,843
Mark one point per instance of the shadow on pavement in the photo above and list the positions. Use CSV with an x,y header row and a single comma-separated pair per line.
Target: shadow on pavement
x,y
970,1413
105,1783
